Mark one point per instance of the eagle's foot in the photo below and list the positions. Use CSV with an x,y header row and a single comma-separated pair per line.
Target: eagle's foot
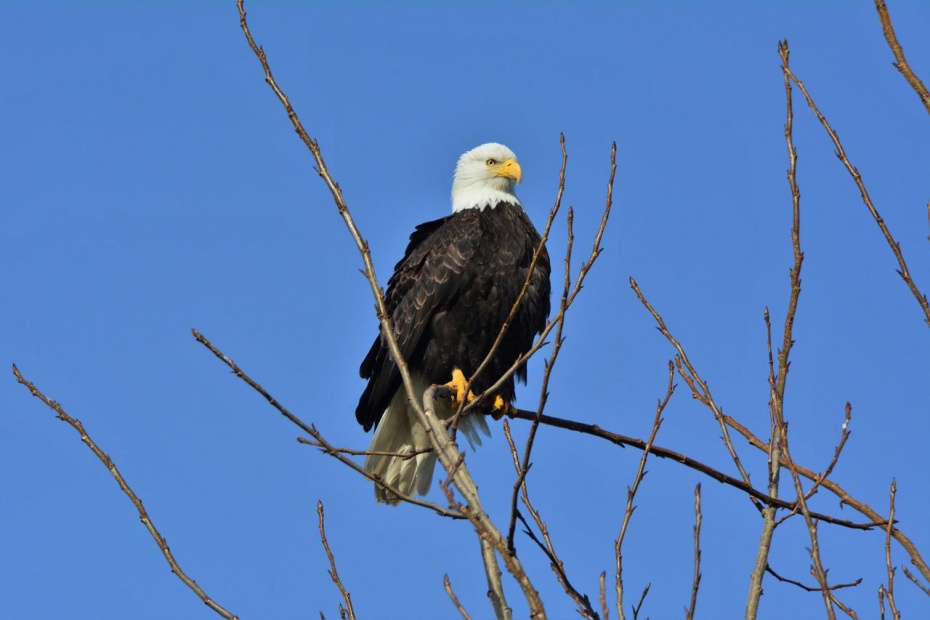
x,y
502,408
457,387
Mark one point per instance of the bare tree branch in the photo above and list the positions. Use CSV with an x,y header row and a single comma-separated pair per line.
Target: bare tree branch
x,y
455,600
689,612
631,490
642,598
916,581
124,486
311,430
806,588
622,440
900,61
889,591
602,587
333,573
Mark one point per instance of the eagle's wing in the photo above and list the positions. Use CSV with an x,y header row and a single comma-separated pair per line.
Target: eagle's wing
x,y
424,281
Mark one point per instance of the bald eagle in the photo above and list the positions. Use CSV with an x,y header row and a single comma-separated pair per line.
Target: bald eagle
x,y
448,299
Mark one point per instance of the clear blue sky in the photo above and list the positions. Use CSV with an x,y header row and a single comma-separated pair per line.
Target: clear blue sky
x,y
153,184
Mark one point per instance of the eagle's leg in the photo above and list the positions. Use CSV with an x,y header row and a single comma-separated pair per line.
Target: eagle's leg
x,y
502,408
457,386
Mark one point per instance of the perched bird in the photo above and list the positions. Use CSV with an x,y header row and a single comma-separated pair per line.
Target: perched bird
x,y
447,300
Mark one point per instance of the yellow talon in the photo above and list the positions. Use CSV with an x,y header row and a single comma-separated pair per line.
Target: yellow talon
x,y
457,386
502,408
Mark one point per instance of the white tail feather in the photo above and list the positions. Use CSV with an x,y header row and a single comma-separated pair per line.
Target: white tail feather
x,y
399,431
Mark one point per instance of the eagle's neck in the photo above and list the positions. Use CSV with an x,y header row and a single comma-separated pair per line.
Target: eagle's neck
x,y
481,194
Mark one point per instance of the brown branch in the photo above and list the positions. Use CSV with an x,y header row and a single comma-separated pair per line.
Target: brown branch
x,y
631,490
642,598
124,486
311,430
889,591
844,436
602,587
901,63
916,581
455,600
405,456
689,612
817,569
333,573
867,200
622,440
807,588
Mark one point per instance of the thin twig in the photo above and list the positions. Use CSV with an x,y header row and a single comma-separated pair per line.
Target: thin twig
x,y
642,599
817,569
124,486
405,455
602,587
844,436
333,573
916,581
689,612
900,61
631,490
455,600
807,588
889,591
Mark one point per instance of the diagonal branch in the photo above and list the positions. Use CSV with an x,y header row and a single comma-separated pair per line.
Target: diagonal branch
x,y
455,600
631,490
311,430
124,486
333,573
623,440
900,61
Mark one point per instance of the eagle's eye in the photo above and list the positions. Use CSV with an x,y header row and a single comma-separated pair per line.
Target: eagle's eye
x,y
491,162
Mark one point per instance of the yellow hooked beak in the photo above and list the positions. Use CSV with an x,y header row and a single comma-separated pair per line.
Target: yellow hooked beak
x,y
510,169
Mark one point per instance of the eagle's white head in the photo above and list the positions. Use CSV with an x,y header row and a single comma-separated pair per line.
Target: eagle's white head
x,y
485,176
